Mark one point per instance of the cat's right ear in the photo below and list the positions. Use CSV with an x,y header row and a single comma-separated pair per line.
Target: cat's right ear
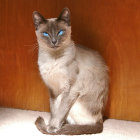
x,y
38,19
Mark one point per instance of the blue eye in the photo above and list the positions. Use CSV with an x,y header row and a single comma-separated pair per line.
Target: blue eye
x,y
61,32
45,34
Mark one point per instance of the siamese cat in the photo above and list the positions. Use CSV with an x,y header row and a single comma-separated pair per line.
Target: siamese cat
x,y
77,78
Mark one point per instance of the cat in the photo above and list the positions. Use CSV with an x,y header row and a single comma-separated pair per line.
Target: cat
x,y
77,78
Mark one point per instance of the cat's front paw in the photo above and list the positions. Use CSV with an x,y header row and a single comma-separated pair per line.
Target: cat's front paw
x,y
52,129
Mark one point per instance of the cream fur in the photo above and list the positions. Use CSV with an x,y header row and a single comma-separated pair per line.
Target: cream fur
x,y
92,77
78,79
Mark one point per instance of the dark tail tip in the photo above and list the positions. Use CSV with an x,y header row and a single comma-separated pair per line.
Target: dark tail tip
x,y
40,124
39,120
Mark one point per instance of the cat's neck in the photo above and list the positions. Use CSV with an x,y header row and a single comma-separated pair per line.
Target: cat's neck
x,y
66,53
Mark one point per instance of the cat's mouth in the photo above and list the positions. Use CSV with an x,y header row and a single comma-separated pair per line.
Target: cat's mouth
x,y
55,46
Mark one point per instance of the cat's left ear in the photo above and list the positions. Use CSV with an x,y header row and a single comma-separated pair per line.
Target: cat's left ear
x,y
65,16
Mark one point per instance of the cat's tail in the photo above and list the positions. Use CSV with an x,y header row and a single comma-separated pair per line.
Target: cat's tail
x,y
69,129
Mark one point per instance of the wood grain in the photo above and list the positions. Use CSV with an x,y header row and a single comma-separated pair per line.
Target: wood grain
x,y
111,27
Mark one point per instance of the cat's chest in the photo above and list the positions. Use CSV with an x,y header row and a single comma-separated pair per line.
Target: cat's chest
x,y
49,70
54,74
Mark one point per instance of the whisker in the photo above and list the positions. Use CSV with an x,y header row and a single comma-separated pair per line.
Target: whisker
x,y
32,51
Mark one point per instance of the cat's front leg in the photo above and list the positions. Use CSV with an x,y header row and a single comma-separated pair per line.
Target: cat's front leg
x,y
54,122
54,126
62,104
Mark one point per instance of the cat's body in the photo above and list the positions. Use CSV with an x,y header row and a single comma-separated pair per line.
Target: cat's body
x,y
78,82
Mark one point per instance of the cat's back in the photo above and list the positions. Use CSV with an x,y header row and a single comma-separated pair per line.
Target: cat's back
x,y
89,58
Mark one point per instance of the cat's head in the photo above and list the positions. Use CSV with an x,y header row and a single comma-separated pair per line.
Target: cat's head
x,y
53,33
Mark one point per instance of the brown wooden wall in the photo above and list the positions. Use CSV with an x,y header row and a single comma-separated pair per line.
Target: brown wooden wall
x,y
112,27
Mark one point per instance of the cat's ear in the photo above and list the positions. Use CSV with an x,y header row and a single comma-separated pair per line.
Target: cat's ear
x,y
65,16
38,19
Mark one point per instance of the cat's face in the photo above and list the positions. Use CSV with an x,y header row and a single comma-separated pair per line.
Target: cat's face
x,y
55,32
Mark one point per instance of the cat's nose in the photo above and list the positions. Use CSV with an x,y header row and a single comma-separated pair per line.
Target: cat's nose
x,y
54,41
